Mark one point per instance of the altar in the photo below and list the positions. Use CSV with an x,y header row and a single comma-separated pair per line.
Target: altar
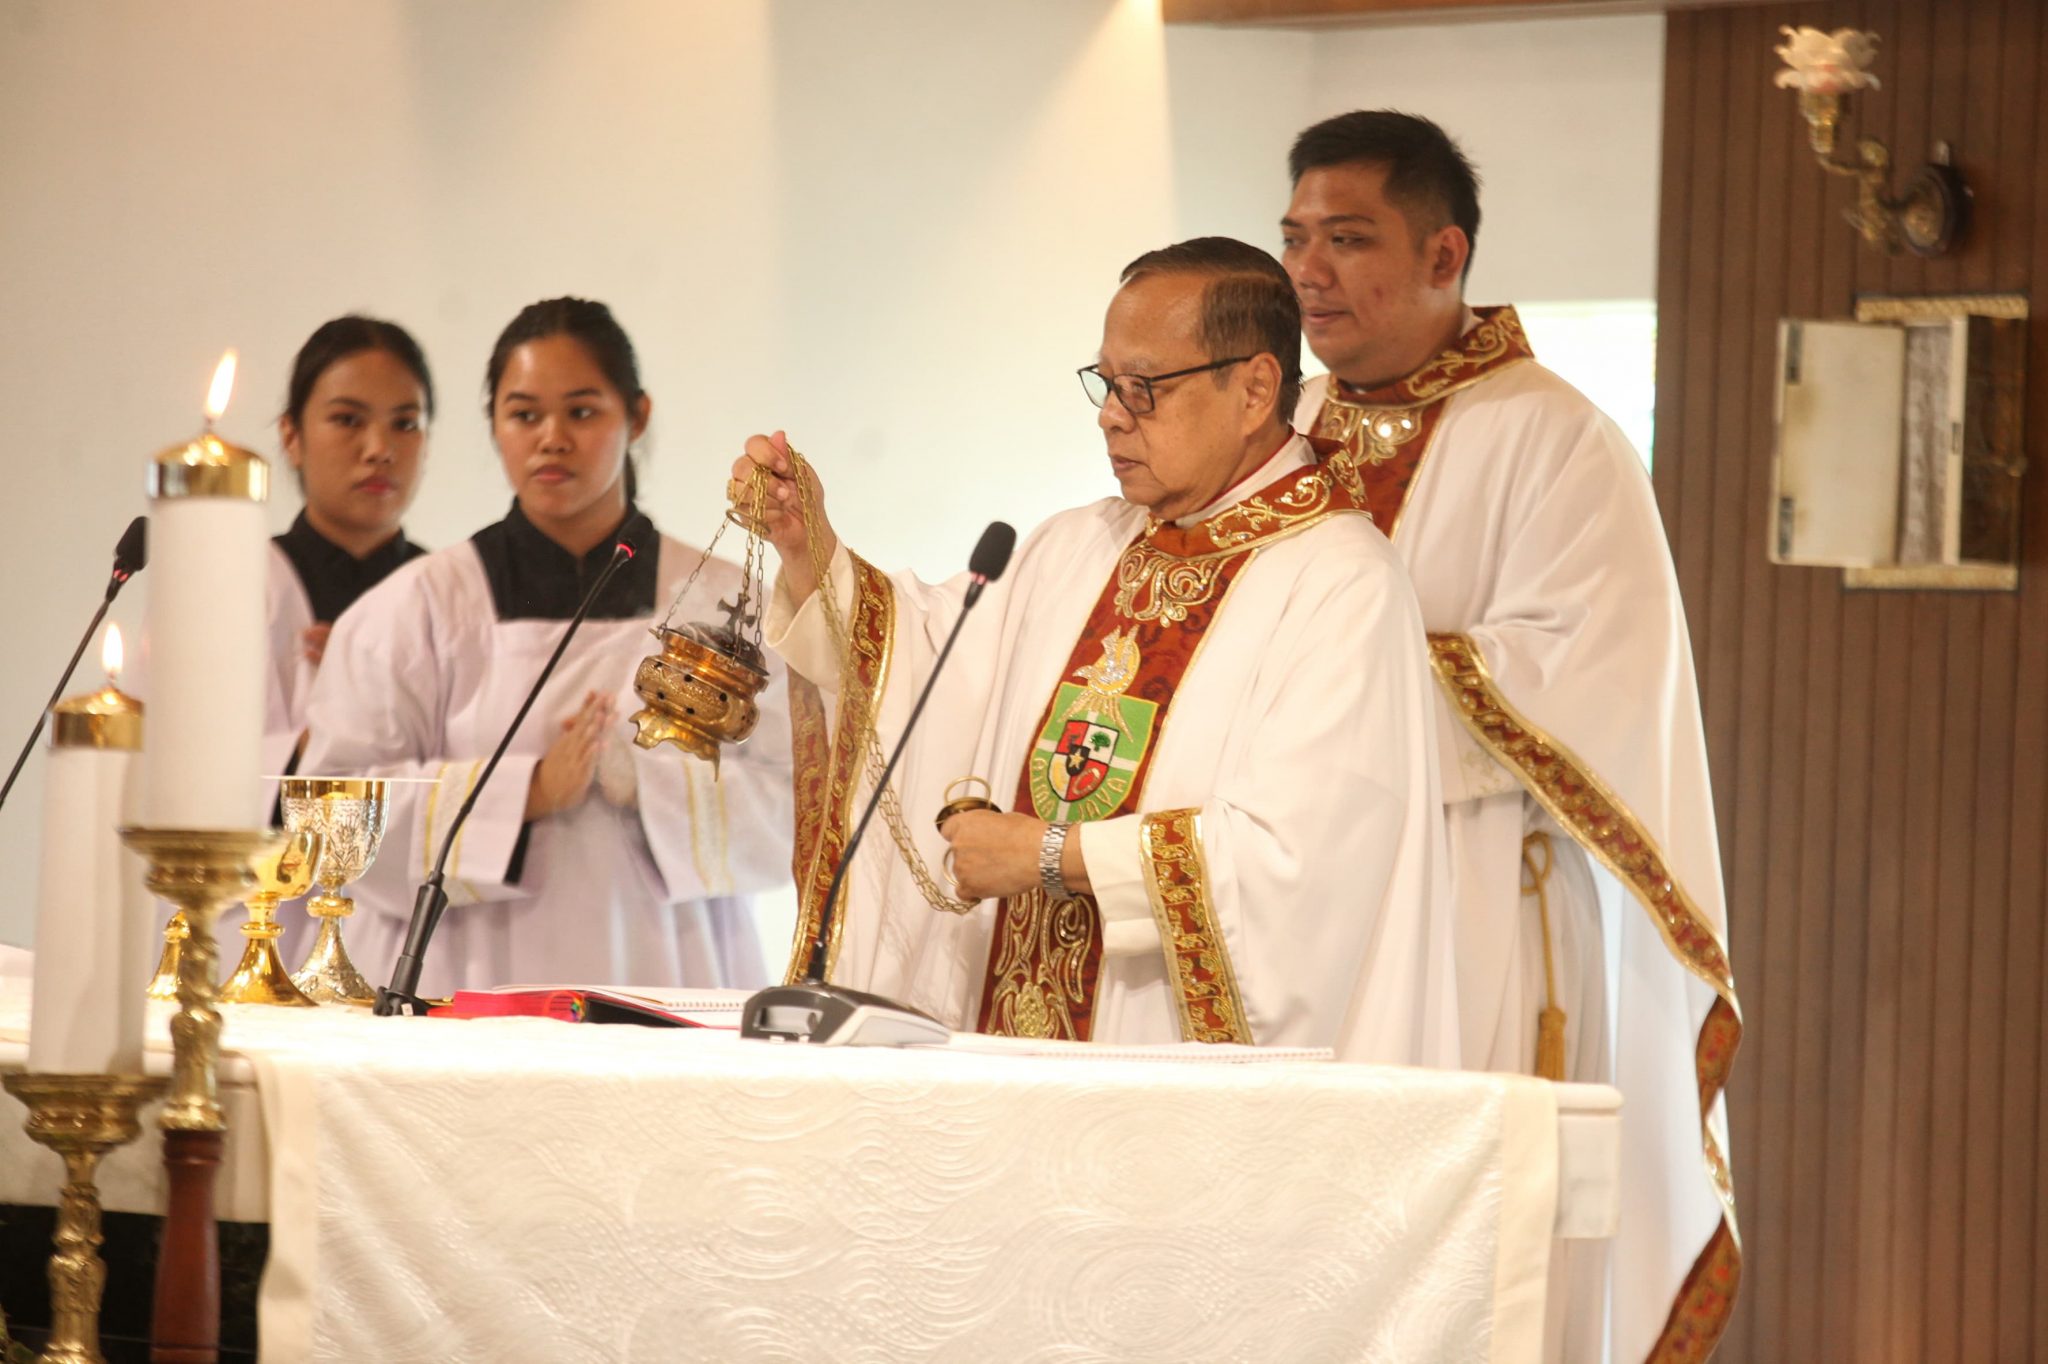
x,y
523,1189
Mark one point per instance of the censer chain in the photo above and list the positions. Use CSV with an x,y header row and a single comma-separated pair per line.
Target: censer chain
x,y
869,739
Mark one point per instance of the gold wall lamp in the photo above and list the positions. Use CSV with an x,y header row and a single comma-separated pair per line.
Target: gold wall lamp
x,y
1826,68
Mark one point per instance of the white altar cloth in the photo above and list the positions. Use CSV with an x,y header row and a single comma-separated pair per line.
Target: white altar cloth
x,y
519,1189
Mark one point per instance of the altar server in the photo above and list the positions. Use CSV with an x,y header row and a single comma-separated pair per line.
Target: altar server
x,y
354,429
587,860
1222,815
1568,718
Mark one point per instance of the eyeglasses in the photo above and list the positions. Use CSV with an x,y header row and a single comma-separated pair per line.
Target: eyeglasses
x,y
1134,391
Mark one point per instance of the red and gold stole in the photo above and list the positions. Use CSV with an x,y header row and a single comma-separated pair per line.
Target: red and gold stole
x,y
828,761
1373,441
1094,750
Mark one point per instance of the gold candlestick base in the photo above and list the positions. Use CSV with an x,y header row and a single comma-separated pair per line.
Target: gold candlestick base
x,y
201,871
81,1118
164,985
260,978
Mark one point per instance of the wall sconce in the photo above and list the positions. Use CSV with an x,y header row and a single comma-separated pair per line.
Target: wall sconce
x,y
1825,68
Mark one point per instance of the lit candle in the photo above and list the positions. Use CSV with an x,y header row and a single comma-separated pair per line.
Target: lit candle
x,y
205,626
92,926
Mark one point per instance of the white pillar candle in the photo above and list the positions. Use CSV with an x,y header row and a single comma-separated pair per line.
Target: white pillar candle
x,y
88,1009
206,633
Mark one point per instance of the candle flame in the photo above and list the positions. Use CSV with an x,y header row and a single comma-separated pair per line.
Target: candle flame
x,y
111,652
223,385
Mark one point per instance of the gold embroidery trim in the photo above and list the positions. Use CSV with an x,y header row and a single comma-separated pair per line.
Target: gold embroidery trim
x,y
433,803
455,852
1340,421
825,800
1600,822
1158,584
1041,954
1197,957
1495,343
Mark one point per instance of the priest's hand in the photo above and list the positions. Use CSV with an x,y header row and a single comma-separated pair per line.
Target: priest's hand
x,y
561,780
783,515
314,640
996,854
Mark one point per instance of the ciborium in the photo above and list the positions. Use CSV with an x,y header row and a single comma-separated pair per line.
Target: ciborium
x,y
348,813
260,978
164,984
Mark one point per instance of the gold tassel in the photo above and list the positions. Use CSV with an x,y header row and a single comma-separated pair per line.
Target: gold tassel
x,y
1550,1020
1550,1043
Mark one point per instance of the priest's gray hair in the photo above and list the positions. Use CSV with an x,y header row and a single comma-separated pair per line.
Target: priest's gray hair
x,y
1248,305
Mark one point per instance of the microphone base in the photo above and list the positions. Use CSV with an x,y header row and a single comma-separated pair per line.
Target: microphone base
x,y
833,1016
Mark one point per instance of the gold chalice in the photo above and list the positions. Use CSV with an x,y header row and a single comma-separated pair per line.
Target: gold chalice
x,y
285,874
348,813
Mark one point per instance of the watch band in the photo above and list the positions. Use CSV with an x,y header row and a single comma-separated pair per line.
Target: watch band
x,y
1050,849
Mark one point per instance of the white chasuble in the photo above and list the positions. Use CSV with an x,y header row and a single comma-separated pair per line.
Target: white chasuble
x,y
646,882
1573,753
1271,806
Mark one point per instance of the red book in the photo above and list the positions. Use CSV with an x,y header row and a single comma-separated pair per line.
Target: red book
x,y
589,1004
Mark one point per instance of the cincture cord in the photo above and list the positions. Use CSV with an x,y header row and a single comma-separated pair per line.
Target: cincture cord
x,y
1550,1021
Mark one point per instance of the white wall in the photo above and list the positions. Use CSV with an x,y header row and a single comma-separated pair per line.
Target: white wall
x,y
889,226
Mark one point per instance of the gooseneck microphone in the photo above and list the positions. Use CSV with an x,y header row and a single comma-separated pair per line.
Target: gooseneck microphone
x,y
811,1010
401,995
130,554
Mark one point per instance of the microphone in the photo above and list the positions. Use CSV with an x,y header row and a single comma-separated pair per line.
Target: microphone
x,y
401,995
832,1015
130,554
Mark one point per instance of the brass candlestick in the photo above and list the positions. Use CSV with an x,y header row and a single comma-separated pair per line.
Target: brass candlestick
x,y
349,814
201,871
81,1118
260,978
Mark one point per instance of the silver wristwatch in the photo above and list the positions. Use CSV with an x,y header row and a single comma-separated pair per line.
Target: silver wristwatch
x,y
1050,849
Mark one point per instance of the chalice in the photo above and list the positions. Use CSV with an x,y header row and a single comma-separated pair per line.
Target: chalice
x,y
283,874
348,813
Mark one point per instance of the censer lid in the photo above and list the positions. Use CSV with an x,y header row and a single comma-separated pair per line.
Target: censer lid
x,y
720,639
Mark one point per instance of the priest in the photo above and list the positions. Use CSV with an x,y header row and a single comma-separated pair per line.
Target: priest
x,y
1220,815
1567,717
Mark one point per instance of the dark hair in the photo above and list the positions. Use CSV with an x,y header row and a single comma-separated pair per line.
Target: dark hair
x,y
1429,178
588,322
335,341
1248,305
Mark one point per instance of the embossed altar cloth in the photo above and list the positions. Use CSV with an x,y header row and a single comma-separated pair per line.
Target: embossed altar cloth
x,y
524,1190
517,1189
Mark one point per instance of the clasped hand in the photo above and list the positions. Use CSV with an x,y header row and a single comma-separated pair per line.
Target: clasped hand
x,y
562,779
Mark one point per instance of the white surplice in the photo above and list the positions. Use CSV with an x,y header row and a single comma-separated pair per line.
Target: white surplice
x,y
420,679
1308,750
290,613
1531,528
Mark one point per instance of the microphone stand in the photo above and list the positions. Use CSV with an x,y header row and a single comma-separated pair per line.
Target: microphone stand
x,y
401,995
833,1015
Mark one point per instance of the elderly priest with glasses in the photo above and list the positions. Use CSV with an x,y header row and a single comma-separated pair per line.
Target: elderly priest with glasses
x,y
1219,814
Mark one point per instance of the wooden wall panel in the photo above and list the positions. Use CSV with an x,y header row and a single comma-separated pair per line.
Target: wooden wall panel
x,y
1880,759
